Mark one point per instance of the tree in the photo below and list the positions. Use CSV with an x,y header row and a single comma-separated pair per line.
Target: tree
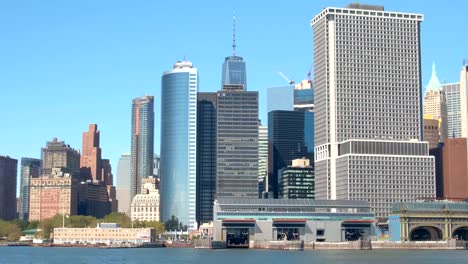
x,y
158,226
48,226
119,218
10,230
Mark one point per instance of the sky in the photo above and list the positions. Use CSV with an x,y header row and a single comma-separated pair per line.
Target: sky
x,y
66,64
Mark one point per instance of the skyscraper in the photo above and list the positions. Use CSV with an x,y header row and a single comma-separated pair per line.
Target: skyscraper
x,y
234,70
452,93
8,168
57,154
435,104
124,184
178,143
237,143
262,158
290,136
142,142
91,154
368,107
30,168
304,96
206,156
280,98
464,99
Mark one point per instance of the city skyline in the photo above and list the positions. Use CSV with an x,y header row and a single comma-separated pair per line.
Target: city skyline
x,y
44,70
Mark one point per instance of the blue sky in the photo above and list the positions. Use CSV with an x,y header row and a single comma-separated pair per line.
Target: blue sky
x,y
65,64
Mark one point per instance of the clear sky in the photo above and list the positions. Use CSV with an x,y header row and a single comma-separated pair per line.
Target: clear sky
x,y
65,64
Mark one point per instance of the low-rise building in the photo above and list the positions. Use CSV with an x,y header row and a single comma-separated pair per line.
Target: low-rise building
x,y
240,222
104,233
145,206
429,221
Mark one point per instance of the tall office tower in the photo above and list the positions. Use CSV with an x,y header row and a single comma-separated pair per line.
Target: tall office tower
x,y
206,156
179,143
237,143
234,70
141,165
464,99
91,154
290,136
280,98
435,104
452,93
304,96
57,154
8,168
262,158
368,107
124,184
106,172
30,168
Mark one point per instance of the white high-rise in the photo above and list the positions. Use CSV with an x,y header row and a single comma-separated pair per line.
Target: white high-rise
x,y
464,99
452,93
368,107
178,143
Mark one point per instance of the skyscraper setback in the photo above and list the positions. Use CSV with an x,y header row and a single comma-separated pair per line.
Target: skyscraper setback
x,y
368,107
179,143
142,148
91,155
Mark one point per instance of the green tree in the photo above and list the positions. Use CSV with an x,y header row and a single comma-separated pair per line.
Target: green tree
x,y
10,230
47,226
119,218
158,226
81,221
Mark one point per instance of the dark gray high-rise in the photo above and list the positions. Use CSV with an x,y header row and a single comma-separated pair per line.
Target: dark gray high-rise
x,y
30,168
206,156
8,187
237,143
142,142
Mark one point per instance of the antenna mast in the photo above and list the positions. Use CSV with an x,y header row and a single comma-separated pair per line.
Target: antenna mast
x,y
233,35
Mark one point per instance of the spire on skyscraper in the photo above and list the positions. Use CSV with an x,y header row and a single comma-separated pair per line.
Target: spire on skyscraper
x,y
434,83
234,35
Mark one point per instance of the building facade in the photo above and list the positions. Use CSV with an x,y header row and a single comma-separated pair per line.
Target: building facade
x,y
452,94
262,158
297,181
90,161
304,96
455,168
206,156
8,174
124,184
435,104
431,132
244,222
57,154
178,143
142,148
290,136
104,233
145,206
464,99
280,98
237,143
52,194
365,148
30,168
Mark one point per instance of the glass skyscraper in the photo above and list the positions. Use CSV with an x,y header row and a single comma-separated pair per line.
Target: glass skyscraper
x,y
452,94
290,136
178,143
124,184
30,168
206,156
234,71
142,142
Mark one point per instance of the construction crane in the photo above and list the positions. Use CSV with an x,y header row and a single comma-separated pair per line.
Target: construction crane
x,y
291,82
